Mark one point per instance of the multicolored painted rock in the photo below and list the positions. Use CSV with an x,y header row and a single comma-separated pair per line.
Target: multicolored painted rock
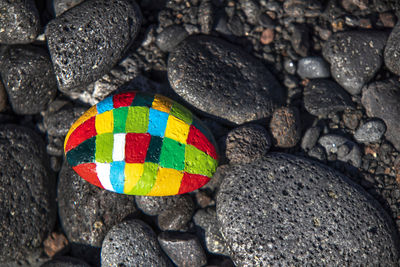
x,y
141,144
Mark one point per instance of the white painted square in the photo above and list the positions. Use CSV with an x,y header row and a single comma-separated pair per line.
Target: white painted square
x,y
119,147
103,173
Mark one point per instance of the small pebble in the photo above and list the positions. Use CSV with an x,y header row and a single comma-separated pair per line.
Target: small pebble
x,y
370,132
176,218
289,65
267,36
310,138
170,37
285,127
312,68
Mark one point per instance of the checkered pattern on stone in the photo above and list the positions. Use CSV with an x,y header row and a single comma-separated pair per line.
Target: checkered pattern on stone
x,y
141,144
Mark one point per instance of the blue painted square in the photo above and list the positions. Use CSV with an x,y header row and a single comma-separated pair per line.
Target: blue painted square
x,y
157,122
105,105
117,176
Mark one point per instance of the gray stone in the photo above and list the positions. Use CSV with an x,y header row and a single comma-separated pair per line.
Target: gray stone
x,y
19,21
28,78
218,177
65,262
177,217
392,50
58,7
317,153
322,96
156,205
211,74
88,212
285,127
289,65
355,57
381,99
266,21
312,68
27,204
3,97
205,16
247,143
370,132
96,39
310,138
59,122
206,219
132,243
170,37
251,9
183,249
300,39
295,211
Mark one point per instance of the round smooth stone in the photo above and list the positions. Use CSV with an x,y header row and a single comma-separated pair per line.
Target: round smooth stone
x,y
137,143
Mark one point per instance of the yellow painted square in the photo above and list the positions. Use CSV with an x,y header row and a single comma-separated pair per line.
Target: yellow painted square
x,y
133,172
105,122
177,129
167,183
162,103
87,115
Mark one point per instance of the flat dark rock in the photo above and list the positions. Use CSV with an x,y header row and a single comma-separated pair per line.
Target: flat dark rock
x,y
86,41
381,99
27,204
295,211
221,79
355,57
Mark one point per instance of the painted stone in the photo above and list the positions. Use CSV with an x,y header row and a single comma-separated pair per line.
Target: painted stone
x,y
137,143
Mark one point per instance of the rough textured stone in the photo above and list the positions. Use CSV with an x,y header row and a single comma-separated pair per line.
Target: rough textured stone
x,y
312,68
65,262
170,37
322,96
371,131
27,205
206,220
183,249
217,178
88,212
247,143
19,21
60,6
132,243
392,50
59,122
381,99
177,217
295,211
355,57
97,33
28,78
155,205
310,138
211,74
285,127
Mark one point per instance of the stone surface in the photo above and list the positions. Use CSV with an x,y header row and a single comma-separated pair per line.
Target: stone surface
x,y
59,122
206,220
132,243
156,205
211,74
310,138
27,205
295,211
177,217
381,99
183,249
28,78
322,96
19,21
60,6
312,68
355,57
141,144
370,132
3,97
65,262
392,50
96,39
285,127
247,143
170,37
87,212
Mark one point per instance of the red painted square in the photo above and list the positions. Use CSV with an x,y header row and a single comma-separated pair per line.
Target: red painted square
x,y
192,182
198,140
123,99
83,132
136,145
88,172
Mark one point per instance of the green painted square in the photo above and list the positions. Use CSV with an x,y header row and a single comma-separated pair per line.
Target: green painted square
x,y
83,153
120,116
143,100
154,150
138,120
172,154
147,180
104,147
182,113
198,162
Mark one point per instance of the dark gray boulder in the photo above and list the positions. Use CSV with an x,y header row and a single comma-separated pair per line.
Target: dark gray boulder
x,y
221,79
86,41
295,211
